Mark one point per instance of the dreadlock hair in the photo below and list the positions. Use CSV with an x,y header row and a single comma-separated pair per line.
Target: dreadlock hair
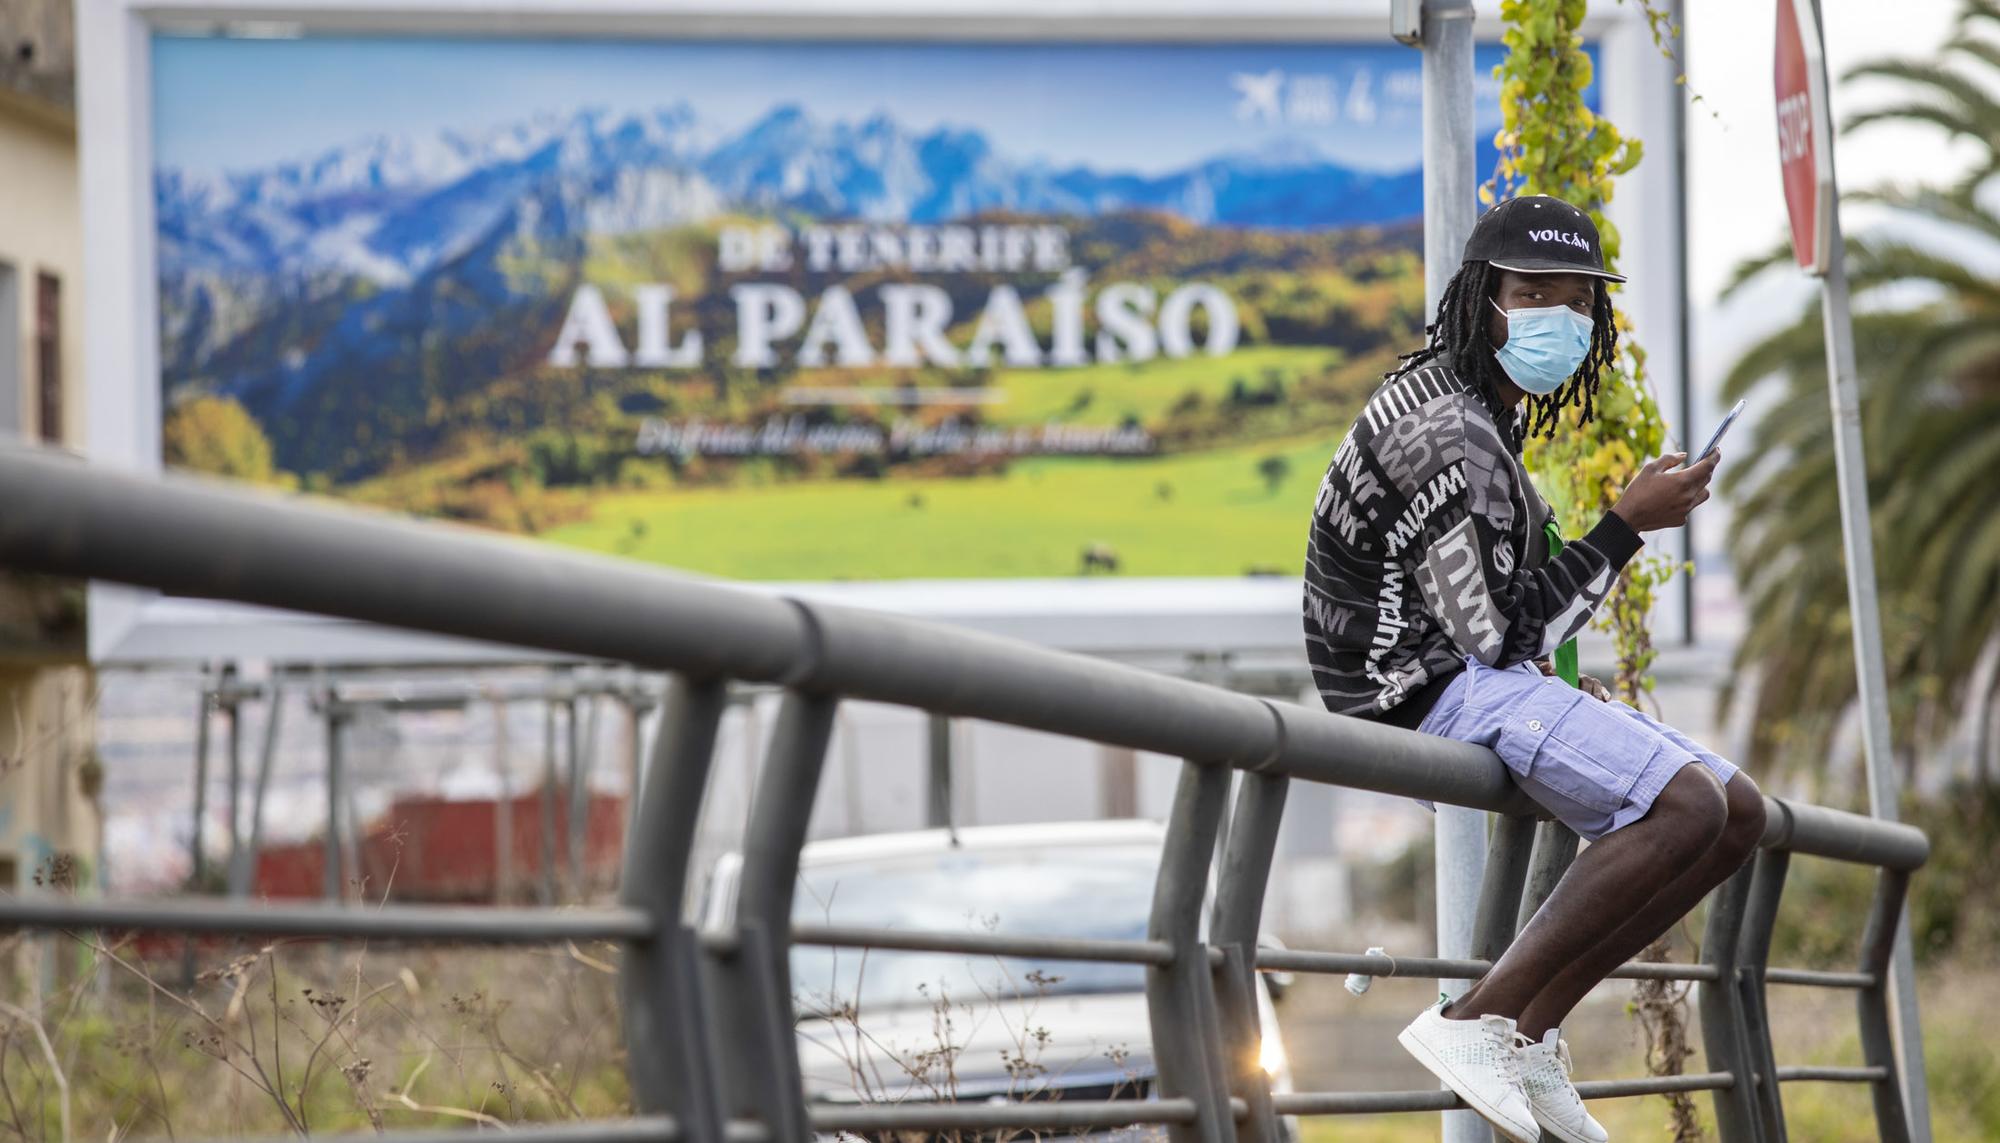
x,y
1459,339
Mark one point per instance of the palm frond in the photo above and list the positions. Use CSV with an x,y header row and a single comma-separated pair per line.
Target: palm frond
x,y
1953,123
1965,98
1750,267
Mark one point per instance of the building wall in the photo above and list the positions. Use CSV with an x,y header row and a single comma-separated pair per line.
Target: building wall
x,y
40,233
49,778
50,774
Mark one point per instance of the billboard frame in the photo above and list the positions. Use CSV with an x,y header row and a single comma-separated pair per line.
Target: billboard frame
x,y
1225,615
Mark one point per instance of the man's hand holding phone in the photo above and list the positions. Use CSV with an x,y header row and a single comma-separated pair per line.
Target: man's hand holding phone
x,y
1663,493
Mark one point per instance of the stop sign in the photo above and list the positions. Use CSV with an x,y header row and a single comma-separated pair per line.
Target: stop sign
x,y
1805,133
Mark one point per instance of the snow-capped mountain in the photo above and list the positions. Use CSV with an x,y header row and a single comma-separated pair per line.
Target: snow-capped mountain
x,y
376,279
388,208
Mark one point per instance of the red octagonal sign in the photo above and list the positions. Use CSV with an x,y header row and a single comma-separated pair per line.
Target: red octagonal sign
x,y
1805,133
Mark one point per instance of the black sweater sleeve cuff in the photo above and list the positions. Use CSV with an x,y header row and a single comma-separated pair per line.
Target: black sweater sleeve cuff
x,y
1616,539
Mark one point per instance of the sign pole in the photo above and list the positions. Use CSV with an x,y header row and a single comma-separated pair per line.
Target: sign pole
x,y
1451,189
1805,147
1844,390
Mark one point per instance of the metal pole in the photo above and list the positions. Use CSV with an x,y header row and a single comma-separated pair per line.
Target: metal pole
x,y
1555,848
503,809
330,882
1723,1034
755,1026
244,874
938,803
1884,920
1248,841
548,884
1871,676
1507,857
1684,387
669,1056
1753,953
1180,995
234,709
634,764
579,797
1450,202
197,860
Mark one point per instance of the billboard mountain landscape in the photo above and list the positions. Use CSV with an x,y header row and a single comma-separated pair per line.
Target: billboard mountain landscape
x,y
539,325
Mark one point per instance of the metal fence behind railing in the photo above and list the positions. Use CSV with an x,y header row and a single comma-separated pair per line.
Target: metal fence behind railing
x,y
709,1020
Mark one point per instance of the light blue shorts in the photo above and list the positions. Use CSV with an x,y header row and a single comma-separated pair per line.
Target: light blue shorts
x,y
1597,766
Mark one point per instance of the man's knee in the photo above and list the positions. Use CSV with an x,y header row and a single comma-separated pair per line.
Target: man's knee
x,y
1745,828
1696,808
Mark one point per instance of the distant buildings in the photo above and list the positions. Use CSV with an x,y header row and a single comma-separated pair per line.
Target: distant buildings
x,y
50,776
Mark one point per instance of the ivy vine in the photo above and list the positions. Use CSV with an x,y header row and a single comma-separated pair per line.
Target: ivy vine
x,y
1551,143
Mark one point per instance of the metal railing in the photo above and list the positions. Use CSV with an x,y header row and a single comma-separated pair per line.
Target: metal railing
x,y
709,1019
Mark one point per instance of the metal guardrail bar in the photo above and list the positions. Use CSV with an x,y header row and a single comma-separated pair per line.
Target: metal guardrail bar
x,y
1801,827
1385,1102
712,1049
985,944
645,1129
475,924
1305,960
1817,979
199,538
1051,1115
1832,1075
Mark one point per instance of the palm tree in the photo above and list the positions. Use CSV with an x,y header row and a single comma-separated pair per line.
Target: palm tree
x,y
1930,376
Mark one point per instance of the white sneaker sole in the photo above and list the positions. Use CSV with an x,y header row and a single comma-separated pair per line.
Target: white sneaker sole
x,y
1561,1132
1423,1055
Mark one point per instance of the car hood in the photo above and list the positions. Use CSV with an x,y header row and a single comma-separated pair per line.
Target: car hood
x,y
1053,1043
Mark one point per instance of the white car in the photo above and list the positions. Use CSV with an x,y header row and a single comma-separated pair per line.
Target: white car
x,y
887,1026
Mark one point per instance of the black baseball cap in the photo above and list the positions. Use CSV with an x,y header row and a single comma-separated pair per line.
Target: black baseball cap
x,y
1539,234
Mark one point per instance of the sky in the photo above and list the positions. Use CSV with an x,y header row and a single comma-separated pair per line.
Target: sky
x,y
1736,206
229,105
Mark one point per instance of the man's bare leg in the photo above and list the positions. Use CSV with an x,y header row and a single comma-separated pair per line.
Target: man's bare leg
x,y
1610,881
1740,835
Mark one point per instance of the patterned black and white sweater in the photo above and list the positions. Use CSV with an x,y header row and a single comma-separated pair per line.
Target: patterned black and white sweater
x,y
1427,547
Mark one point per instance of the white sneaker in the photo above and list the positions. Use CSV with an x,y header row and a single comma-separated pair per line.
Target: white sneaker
x,y
1545,1072
1477,1059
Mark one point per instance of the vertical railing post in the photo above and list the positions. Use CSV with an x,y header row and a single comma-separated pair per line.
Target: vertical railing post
x,y
549,819
1555,848
1251,840
233,708
197,855
1722,1030
752,985
244,875
1509,844
1878,1046
1753,952
1180,997
937,774
669,1055
336,792
579,793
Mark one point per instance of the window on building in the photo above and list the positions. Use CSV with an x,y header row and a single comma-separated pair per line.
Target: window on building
x,y
48,354
10,351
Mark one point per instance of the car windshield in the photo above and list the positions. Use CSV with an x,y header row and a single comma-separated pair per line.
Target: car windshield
x,y
1101,892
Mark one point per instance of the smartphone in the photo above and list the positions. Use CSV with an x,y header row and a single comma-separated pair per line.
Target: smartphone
x,y
1716,439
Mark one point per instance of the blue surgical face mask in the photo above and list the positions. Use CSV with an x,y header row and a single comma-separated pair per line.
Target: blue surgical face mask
x,y
1544,346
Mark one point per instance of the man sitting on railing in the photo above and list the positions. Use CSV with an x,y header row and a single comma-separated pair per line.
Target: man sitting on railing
x,y
1430,596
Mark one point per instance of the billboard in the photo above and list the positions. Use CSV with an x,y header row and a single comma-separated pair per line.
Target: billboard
x,y
497,267
797,311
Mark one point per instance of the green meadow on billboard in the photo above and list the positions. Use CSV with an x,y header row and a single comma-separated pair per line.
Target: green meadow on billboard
x,y
793,311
